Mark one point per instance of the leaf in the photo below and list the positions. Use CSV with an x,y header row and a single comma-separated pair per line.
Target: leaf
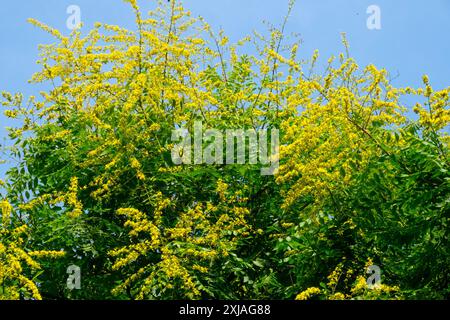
x,y
258,263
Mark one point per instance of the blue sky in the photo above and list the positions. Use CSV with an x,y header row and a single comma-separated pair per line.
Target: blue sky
x,y
413,40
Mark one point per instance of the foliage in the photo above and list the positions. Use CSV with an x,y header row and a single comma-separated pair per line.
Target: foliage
x,y
358,178
18,263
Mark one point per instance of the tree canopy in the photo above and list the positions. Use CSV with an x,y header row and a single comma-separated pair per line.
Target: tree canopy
x,y
360,182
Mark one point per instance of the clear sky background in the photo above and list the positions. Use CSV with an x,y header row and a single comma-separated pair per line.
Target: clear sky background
x,y
414,38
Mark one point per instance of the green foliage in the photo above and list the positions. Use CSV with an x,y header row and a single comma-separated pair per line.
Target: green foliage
x,y
358,185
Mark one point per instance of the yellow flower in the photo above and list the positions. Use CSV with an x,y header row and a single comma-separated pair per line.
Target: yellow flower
x,y
337,296
5,209
360,286
308,293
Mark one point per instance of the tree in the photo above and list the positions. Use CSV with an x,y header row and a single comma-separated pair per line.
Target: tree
x,y
95,175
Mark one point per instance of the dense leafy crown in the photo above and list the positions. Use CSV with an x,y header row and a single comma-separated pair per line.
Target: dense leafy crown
x,y
359,184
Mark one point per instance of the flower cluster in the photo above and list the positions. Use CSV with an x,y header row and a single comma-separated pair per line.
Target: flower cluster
x,y
15,260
